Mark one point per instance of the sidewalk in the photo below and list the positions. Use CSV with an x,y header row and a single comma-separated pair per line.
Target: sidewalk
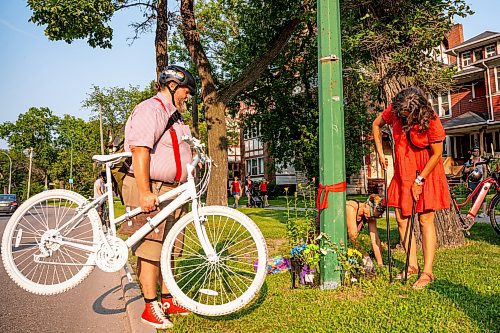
x,y
96,305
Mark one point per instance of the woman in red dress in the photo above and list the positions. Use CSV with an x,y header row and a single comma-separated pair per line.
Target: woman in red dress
x,y
418,136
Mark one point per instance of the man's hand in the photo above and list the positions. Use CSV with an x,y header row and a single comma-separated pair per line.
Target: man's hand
x,y
149,202
416,190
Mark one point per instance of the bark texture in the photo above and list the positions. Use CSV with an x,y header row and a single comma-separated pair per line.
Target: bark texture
x,y
161,37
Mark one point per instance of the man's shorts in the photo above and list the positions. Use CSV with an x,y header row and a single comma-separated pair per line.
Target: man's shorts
x,y
146,248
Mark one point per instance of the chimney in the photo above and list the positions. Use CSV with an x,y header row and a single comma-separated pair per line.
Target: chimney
x,y
454,37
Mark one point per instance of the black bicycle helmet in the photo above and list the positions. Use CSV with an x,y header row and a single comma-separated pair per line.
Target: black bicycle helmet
x,y
179,75
475,175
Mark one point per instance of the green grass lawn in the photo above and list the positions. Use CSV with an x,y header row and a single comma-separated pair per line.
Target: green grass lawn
x,y
464,298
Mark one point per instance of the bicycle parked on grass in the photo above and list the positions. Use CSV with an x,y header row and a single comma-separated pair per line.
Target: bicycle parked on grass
x,y
481,190
213,260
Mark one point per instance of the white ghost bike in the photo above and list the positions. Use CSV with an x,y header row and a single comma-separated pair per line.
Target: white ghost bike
x,y
213,259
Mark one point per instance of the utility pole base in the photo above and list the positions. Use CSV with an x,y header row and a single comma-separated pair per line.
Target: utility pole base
x,y
329,285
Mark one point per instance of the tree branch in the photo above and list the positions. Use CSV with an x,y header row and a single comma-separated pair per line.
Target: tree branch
x,y
196,51
147,4
255,69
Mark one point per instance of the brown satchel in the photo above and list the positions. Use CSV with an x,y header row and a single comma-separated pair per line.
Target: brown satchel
x,y
135,223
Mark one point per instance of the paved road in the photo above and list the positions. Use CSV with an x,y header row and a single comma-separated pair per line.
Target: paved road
x,y
96,305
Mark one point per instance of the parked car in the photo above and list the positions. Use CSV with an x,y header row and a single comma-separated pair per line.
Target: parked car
x,y
8,203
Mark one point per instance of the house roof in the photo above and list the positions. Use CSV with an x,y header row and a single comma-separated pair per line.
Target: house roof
x,y
482,38
464,120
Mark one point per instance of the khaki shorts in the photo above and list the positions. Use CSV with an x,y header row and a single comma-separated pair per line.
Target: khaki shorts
x,y
146,248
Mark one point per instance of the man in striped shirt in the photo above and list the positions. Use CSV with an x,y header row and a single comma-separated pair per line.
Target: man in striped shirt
x,y
158,157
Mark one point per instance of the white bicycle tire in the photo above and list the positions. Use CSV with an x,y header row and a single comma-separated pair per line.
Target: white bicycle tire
x,y
8,260
221,309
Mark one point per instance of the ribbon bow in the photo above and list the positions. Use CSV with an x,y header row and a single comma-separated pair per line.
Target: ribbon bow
x,y
323,190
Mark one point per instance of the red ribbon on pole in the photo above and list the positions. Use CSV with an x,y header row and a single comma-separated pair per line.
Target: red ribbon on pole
x,y
323,190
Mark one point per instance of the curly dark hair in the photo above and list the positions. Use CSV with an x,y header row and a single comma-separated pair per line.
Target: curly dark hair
x,y
412,100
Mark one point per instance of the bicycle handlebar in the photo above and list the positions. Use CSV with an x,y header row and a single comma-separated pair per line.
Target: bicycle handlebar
x,y
199,147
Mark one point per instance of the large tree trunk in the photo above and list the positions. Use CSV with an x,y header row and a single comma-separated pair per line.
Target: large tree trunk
x,y
217,143
448,230
161,37
389,83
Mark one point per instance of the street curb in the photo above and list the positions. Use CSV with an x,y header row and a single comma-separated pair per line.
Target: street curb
x,y
134,304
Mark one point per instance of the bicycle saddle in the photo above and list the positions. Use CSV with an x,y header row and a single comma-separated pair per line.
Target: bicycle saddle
x,y
111,158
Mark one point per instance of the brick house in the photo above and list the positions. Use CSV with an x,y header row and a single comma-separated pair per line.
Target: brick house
x,y
470,112
248,155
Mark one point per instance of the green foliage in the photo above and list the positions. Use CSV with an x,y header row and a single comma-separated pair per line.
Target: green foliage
x,y
351,263
391,43
77,140
33,129
76,19
116,104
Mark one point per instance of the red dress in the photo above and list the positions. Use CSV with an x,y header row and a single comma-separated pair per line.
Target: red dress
x,y
408,159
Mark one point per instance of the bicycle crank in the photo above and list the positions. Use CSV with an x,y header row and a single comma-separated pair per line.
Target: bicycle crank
x,y
112,258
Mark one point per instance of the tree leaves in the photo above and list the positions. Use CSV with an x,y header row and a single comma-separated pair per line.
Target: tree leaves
x,y
75,19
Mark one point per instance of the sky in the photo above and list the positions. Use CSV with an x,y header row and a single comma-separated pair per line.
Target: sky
x,y
36,72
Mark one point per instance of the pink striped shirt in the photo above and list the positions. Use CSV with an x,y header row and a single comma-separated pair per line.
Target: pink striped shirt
x,y
145,126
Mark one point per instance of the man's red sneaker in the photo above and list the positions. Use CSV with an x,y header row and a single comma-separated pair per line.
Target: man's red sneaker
x,y
171,307
155,316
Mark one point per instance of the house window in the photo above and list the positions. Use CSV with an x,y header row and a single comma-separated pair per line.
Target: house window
x,y
478,54
466,59
441,103
491,50
255,166
497,78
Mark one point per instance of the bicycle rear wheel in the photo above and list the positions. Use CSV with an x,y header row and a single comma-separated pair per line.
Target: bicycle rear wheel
x,y
218,287
494,213
37,255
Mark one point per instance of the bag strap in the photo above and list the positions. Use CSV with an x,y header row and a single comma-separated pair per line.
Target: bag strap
x,y
176,116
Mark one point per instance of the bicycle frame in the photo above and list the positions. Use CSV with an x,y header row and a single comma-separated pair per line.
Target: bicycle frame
x,y
473,193
182,194
469,217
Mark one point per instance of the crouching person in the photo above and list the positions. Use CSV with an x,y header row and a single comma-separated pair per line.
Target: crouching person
x,y
365,213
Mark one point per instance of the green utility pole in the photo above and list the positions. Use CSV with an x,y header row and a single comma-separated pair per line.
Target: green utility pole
x,y
331,135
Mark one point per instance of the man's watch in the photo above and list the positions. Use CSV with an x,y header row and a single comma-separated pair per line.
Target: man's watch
x,y
420,180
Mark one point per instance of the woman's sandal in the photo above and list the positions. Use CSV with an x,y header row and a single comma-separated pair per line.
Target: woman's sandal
x,y
424,279
412,270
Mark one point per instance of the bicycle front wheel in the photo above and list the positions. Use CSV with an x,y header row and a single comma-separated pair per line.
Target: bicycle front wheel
x,y
494,213
43,253
221,286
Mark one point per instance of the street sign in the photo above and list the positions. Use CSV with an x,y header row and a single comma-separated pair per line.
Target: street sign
x,y
71,180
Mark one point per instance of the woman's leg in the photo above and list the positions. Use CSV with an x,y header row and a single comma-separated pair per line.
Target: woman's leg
x,y
372,227
236,199
429,240
404,233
